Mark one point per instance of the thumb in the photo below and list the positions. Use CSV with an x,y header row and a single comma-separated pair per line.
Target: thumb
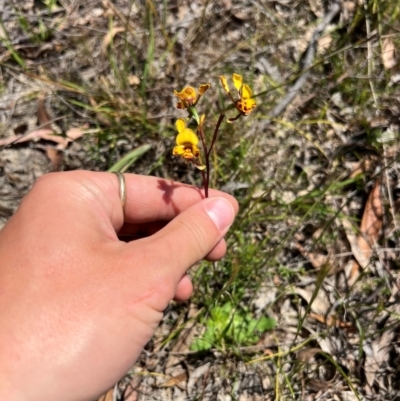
x,y
191,235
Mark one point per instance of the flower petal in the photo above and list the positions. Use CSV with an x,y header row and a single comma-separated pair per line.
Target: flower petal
x,y
195,151
224,83
187,137
179,94
200,166
250,104
246,92
180,124
202,118
245,106
178,150
188,152
203,88
188,93
237,81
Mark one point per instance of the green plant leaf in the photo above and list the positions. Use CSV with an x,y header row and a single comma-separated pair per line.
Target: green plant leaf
x,y
229,325
123,164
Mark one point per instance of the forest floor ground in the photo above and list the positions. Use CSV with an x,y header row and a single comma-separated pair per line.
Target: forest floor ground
x,y
305,305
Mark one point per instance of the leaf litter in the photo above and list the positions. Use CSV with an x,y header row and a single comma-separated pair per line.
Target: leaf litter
x,y
347,345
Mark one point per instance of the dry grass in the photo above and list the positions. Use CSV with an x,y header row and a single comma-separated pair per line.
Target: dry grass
x,y
311,248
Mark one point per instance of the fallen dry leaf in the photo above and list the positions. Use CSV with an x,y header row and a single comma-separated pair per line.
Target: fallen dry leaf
x,y
331,321
133,80
318,385
317,260
47,134
131,393
76,132
174,381
196,375
304,356
43,118
388,53
188,331
277,280
320,304
268,352
371,224
317,7
55,157
325,43
377,355
36,135
109,37
44,121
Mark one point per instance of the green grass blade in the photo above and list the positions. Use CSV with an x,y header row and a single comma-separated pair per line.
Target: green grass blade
x,y
123,164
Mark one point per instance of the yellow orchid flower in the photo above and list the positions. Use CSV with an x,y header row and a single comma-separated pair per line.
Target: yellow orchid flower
x,y
245,104
188,96
187,142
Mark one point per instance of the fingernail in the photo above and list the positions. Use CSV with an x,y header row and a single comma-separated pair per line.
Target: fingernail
x,y
221,212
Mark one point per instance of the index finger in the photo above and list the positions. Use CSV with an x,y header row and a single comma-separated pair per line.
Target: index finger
x,y
153,198
147,198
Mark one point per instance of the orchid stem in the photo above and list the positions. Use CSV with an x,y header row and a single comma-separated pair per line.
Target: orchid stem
x,y
205,183
214,138
208,152
206,176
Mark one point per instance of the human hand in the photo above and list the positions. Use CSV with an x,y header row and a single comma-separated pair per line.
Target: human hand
x,y
77,305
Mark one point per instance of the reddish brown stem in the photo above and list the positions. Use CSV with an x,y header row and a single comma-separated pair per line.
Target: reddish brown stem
x,y
214,138
205,183
204,175
207,153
